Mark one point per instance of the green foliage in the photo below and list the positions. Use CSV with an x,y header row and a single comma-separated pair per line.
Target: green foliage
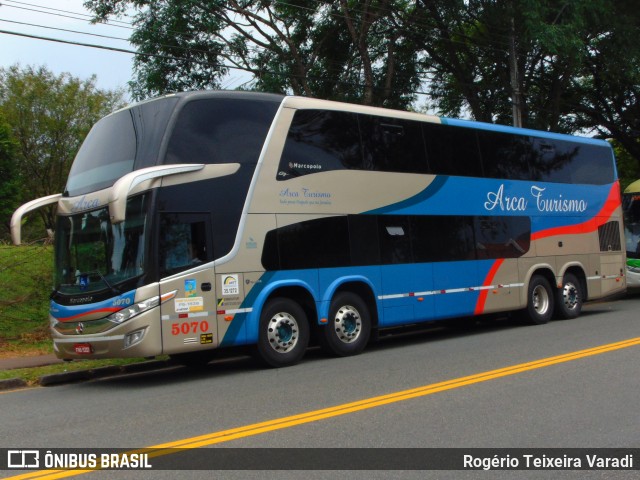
x,y
628,167
49,117
9,186
346,50
570,66
26,279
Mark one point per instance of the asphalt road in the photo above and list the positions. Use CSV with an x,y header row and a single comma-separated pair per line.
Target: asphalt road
x,y
448,386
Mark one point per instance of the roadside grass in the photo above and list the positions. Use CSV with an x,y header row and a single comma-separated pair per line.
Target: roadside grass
x,y
25,285
32,375
26,279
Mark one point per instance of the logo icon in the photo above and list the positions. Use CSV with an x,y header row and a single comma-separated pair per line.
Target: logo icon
x,y
80,328
23,459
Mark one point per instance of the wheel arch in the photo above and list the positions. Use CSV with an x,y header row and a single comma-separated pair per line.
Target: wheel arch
x,y
298,291
578,270
360,286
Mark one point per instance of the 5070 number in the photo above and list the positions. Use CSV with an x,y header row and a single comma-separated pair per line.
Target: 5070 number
x,y
189,327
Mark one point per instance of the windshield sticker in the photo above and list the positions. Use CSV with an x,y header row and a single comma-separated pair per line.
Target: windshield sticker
x,y
230,285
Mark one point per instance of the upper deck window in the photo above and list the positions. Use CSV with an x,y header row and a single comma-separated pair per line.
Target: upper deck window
x,y
219,130
325,140
108,153
321,141
124,141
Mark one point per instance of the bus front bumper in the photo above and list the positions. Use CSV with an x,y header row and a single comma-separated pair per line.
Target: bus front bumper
x,y
138,337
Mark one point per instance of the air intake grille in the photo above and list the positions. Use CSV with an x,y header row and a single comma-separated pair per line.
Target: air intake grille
x,y
609,235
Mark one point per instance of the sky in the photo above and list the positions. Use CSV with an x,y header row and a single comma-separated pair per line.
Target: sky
x,y
113,69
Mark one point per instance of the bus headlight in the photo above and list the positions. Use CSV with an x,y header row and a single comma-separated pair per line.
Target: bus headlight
x,y
128,313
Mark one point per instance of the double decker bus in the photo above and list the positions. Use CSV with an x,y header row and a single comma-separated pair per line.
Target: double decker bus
x,y
631,212
204,220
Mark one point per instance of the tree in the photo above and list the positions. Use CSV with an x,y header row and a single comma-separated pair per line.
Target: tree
x,y
9,191
570,66
49,116
346,50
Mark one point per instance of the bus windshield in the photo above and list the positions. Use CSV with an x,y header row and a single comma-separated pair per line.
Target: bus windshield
x,y
631,208
93,255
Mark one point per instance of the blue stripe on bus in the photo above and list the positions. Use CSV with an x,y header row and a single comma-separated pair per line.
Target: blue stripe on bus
x,y
520,131
76,312
504,197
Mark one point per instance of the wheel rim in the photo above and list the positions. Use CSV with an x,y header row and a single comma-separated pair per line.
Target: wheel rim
x,y
570,296
282,332
348,324
540,300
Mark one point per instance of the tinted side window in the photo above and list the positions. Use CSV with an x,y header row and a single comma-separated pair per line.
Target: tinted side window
x,y
183,242
552,159
363,232
220,130
594,165
443,238
452,150
320,141
395,239
393,145
505,155
567,162
502,237
319,243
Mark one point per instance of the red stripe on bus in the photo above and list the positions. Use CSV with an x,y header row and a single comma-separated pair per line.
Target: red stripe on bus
x,y
101,310
611,203
487,281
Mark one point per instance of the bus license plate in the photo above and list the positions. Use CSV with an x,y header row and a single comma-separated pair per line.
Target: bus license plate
x,y
83,348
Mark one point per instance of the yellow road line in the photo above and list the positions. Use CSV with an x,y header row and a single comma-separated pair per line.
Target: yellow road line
x,y
344,409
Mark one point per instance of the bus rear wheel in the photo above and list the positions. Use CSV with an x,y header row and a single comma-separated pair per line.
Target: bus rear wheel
x,y
569,298
284,333
539,301
349,326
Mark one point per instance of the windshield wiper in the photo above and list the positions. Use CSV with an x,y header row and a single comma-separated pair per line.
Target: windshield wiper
x,y
113,289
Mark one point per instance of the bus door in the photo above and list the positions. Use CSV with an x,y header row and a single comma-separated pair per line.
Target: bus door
x,y
185,250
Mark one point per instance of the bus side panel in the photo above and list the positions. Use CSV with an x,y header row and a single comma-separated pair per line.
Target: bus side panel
x,y
501,287
242,326
457,283
189,319
401,288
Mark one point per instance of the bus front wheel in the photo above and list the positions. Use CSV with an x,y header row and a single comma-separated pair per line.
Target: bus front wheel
x,y
284,333
349,326
539,300
569,298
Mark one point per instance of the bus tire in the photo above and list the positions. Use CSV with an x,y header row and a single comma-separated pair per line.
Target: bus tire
x,y
349,326
539,301
284,333
569,298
